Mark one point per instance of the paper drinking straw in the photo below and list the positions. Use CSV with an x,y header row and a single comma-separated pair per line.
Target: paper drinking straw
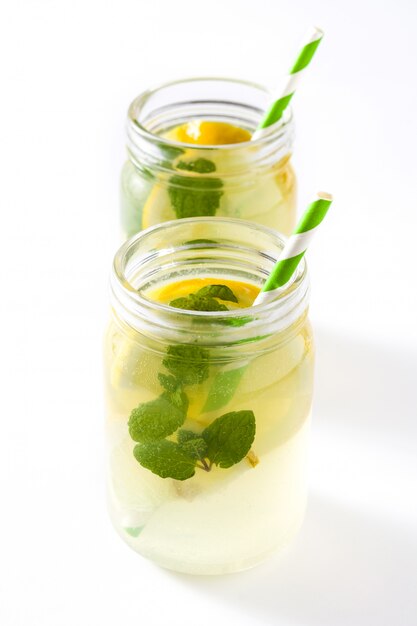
x,y
295,248
283,96
227,380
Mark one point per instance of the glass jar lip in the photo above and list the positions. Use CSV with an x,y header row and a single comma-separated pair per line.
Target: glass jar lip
x,y
287,293
267,134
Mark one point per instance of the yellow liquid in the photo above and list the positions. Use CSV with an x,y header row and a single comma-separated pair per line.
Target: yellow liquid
x,y
204,133
244,292
264,195
226,519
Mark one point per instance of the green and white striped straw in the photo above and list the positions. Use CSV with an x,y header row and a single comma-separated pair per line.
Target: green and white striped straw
x,y
283,96
295,248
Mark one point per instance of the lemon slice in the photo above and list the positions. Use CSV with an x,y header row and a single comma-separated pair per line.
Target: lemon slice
x,y
157,208
133,374
268,369
244,292
205,133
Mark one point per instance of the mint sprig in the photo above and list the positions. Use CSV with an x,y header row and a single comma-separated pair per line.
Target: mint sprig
x,y
225,442
199,166
188,364
194,302
195,447
194,197
223,388
166,459
184,435
170,383
206,299
223,292
230,437
158,418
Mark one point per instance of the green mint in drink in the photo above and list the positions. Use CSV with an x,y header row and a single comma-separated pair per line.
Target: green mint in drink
x,y
225,441
198,196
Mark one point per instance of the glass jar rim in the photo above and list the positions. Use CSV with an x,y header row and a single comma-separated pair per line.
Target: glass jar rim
x,y
140,311
268,134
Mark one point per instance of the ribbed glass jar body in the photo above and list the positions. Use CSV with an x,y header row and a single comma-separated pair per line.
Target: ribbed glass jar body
x,y
171,370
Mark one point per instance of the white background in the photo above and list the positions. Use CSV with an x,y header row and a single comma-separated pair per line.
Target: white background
x,y
68,71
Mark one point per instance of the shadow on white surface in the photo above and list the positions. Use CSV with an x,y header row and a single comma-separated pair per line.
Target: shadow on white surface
x,y
345,568
350,565
365,386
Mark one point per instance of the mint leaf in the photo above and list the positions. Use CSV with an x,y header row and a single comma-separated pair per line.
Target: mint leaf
x,y
193,302
185,435
205,299
223,388
170,152
192,444
189,364
158,418
184,302
201,241
193,197
230,437
239,321
170,383
179,399
166,459
133,531
201,166
217,291
195,448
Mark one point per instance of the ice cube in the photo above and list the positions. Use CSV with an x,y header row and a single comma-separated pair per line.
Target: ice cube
x,y
135,491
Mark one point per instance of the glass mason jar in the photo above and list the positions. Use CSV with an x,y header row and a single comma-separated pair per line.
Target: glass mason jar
x,y
165,179
240,381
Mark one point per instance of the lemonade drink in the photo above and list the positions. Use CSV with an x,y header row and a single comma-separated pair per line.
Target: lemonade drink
x,y
208,402
198,160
